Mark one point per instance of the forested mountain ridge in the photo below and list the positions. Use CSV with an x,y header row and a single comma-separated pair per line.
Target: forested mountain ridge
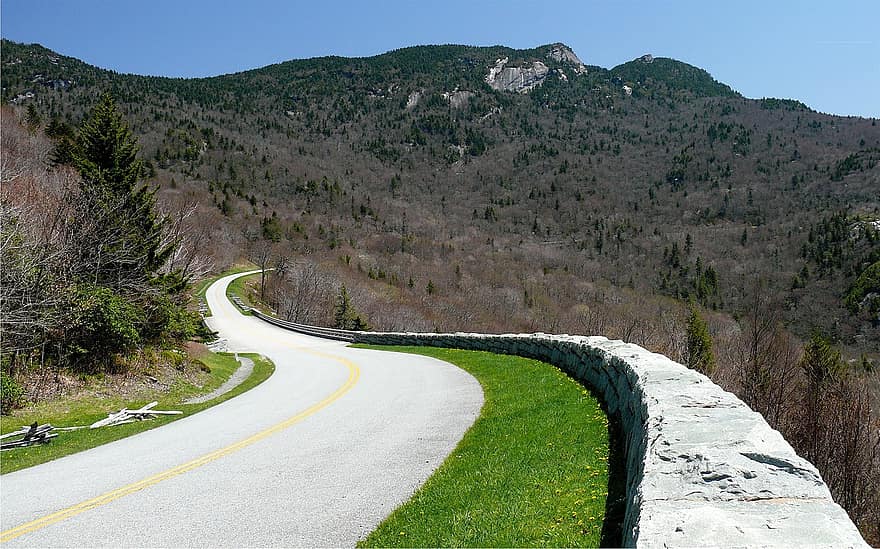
x,y
650,175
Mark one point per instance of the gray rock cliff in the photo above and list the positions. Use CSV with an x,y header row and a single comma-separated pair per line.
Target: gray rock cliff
x,y
529,75
516,79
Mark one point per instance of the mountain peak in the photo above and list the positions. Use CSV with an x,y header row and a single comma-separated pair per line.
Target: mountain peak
x,y
653,73
563,54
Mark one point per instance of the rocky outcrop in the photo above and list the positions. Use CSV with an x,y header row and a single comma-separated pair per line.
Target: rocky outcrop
x,y
413,100
529,75
702,468
516,79
563,54
457,98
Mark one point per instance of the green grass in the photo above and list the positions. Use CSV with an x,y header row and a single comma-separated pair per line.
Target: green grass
x,y
239,287
86,409
531,472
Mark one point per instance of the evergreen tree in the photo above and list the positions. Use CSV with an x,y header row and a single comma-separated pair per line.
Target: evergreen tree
x,y
343,312
64,136
822,365
823,368
105,154
344,315
106,151
32,119
700,356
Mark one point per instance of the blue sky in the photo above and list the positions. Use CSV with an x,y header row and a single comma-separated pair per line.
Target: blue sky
x,y
825,53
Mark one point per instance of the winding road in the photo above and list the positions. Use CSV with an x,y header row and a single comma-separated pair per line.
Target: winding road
x,y
315,456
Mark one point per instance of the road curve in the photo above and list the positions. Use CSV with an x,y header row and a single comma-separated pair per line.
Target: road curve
x,y
315,456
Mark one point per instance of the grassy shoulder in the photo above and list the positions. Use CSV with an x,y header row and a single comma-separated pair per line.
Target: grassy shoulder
x,y
89,406
246,288
532,471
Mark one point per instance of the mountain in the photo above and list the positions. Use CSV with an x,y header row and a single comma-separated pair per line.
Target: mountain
x,y
459,187
648,74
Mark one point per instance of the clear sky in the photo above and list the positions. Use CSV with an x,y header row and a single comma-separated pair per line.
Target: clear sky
x,y
825,53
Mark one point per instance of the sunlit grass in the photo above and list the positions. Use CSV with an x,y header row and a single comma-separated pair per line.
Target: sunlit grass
x,y
88,407
246,288
532,471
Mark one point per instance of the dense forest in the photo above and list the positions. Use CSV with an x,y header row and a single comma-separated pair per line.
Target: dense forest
x,y
646,202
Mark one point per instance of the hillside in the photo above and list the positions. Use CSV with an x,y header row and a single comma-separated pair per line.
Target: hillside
x,y
647,179
410,166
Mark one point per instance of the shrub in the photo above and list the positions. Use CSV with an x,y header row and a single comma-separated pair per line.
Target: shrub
x,y
11,394
101,323
700,356
165,318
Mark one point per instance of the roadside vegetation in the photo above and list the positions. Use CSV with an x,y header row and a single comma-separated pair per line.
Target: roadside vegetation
x,y
95,276
101,395
246,289
532,470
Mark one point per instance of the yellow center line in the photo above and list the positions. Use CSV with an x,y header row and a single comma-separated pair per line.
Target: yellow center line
x,y
353,376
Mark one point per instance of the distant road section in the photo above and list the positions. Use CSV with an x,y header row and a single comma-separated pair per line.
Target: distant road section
x,y
317,455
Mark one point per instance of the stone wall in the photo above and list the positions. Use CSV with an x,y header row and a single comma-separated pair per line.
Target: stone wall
x,y
702,467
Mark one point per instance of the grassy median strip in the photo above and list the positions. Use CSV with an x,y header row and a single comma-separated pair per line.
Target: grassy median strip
x,y
531,472
85,410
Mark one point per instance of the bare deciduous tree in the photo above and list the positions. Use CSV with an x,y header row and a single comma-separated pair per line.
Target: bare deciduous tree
x,y
189,258
767,359
304,294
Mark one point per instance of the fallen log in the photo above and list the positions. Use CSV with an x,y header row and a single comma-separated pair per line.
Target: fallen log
x,y
125,415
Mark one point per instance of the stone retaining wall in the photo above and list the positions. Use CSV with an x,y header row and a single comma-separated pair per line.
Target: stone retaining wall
x,y
703,469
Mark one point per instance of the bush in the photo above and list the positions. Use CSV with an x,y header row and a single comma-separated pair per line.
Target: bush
x,y
11,394
165,318
102,323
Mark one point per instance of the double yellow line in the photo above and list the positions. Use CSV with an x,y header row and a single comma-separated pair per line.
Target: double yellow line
x,y
353,376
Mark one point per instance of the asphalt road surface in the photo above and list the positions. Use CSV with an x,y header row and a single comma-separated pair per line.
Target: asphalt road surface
x,y
317,455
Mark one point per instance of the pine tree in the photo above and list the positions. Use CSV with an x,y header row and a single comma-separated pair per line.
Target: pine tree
x,y
344,315
822,365
700,356
343,312
64,136
105,155
106,151
32,119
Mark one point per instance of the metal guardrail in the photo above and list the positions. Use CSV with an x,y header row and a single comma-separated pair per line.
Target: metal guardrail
x,y
329,333
240,304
